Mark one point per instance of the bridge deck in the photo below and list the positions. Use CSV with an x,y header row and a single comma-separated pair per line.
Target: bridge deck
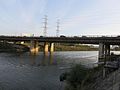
x,y
82,40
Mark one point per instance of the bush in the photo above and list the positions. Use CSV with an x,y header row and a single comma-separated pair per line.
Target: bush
x,y
76,76
79,77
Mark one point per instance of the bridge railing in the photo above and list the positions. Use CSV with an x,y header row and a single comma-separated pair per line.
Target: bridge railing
x,y
65,36
87,36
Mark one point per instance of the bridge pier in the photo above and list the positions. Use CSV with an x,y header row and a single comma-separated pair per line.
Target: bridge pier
x,y
101,51
46,48
51,47
104,51
107,52
34,48
107,49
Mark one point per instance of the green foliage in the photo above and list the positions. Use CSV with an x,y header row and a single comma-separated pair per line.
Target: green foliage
x,y
76,76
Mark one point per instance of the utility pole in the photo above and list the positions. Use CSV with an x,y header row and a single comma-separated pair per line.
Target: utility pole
x,y
58,28
45,26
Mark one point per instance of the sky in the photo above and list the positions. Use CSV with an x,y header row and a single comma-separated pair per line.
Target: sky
x,y
76,17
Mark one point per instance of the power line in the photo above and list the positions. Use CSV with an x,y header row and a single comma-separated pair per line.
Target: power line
x,y
58,30
45,26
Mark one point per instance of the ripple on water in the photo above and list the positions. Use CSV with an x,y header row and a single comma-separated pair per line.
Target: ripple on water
x,y
29,72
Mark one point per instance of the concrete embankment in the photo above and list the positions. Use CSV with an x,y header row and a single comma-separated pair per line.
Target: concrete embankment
x,y
111,82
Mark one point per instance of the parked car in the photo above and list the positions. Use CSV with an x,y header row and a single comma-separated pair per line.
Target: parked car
x,y
41,36
84,36
75,36
62,36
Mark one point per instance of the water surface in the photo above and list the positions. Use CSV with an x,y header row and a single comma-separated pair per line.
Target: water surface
x,y
38,72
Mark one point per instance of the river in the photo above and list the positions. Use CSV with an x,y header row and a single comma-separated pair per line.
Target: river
x,y
28,71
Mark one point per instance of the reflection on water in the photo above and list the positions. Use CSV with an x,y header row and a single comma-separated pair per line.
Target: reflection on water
x,y
46,59
37,71
60,58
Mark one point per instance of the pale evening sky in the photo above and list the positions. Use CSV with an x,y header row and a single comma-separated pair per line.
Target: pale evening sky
x,y
77,17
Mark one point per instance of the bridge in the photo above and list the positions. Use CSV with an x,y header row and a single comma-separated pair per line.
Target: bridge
x,y
103,42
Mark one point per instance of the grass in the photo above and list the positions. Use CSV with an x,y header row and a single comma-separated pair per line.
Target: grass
x,y
80,77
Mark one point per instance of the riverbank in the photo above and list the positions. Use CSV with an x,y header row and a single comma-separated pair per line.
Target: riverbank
x,y
81,78
9,47
103,77
65,47
111,82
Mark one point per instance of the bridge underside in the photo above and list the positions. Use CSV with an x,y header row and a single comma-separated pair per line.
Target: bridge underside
x,y
103,42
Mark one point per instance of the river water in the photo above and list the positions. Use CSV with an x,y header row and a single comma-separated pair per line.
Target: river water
x,y
28,71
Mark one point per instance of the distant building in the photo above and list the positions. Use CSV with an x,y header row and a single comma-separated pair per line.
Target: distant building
x,y
27,35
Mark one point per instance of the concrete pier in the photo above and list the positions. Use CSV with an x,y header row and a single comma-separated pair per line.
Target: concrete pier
x,y
46,48
104,51
107,53
51,47
107,50
101,51
34,48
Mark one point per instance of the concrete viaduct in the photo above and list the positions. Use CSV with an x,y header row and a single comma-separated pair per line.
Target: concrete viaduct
x,y
103,42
